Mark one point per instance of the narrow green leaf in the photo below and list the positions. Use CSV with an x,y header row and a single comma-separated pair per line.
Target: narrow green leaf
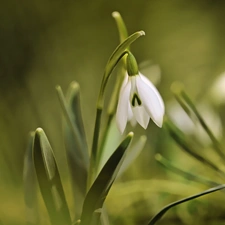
x,y
176,88
78,159
189,146
96,195
189,176
73,100
94,149
216,145
188,106
30,185
49,180
120,26
81,145
159,215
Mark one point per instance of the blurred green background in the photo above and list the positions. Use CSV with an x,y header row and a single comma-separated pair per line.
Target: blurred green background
x,y
44,43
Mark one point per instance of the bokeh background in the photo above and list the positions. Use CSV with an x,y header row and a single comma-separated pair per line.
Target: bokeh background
x,y
44,43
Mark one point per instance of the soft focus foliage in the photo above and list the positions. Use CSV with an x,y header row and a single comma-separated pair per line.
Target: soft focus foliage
x,y
45,43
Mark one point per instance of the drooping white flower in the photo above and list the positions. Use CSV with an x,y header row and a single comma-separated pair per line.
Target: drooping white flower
x,y
139,101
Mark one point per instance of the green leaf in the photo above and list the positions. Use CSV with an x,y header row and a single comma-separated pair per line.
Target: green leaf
x,y
49,180
188,106
185,174
30,184
188,146
159,215
74,123
74,106
120,26
216,145
96,195
78,159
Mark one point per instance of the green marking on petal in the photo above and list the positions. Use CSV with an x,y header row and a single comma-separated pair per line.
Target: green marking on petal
x,y
138,100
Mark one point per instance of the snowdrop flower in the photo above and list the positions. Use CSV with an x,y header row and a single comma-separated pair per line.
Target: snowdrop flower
x,y
139,100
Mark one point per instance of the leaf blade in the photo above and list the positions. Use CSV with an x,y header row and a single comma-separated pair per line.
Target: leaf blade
x,y
30,184
159,215
101,186
49,180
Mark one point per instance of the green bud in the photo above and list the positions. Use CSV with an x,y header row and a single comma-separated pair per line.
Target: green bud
x,y
132,67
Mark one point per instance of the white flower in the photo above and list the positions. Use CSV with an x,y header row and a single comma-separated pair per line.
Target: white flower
x,y
139,101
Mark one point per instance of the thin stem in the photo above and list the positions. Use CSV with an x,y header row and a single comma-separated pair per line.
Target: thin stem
x,y
94,149
100,104
104,138
111,109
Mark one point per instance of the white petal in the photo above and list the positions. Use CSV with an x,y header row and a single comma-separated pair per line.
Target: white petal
x,y
141,116
122,108
131,117
151,99
130,113
149,83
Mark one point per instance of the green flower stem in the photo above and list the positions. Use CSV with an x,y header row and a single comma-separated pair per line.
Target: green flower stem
x,y
111,111
100,103
106,76
104,138
93,166
215,142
